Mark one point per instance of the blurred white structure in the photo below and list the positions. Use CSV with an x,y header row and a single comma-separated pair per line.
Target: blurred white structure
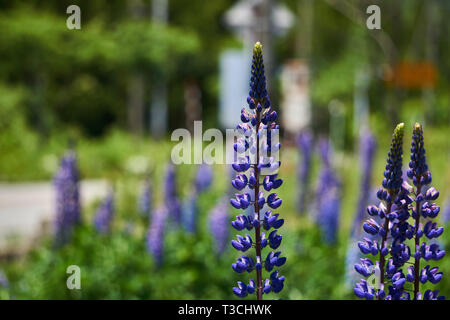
x,y
234,86
295,101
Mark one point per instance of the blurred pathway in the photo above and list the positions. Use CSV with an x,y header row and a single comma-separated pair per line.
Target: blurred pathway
x,y
28,209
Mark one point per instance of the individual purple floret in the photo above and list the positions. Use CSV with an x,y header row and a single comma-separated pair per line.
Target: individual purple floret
x,y
68,208
305,142
171,200
219,225
105,213
155,235
145,199
257,181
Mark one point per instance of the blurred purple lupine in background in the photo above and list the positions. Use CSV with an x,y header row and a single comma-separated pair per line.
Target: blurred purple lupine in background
x,y
171,200
305,142
68,208
203,180
327,196
155,235
105,213
4,283
446,214
145,199
219,225
367,149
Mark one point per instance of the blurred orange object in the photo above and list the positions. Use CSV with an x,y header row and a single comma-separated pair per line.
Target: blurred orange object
x,y
412,75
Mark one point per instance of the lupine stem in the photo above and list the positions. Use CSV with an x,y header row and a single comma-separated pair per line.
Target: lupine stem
x,y
258,228
416,241
383,245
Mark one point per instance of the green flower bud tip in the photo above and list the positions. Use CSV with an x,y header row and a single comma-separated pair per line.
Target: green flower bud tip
x,y
398,132
257,49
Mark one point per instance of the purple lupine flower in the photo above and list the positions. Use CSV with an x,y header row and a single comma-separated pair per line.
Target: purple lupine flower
x,y
105,213
425,208
305,144
446,213
145,199
189,212
219,225
155,235
367,148
257,171
327,197
171,200
4,283
393,215
203,178
68,208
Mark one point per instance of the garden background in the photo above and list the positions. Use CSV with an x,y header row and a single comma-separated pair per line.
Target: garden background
x,y
93,89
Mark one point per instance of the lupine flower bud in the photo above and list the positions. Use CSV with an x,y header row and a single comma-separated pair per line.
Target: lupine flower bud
x,y
68,208
256,185
104,215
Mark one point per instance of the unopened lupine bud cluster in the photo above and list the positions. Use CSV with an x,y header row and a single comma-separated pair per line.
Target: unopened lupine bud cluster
x,y
400,279
256,175
68,208
105,213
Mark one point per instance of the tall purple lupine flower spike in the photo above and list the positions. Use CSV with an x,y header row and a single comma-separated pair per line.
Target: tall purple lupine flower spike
x,y
68,208
258,120
305,144
327,197
171,200
392,228
203,180
425,208
155,235
105,213
145,199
